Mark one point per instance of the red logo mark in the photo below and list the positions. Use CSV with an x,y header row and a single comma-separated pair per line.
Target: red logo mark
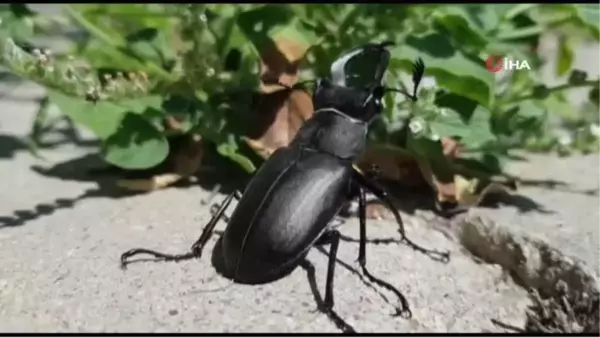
x,y
493,63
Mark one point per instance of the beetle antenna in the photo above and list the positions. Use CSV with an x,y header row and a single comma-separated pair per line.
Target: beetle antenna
x,y
417,75
418,72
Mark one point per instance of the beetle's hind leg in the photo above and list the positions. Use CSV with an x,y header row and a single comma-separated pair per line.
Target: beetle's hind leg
x,y
197,247
383,195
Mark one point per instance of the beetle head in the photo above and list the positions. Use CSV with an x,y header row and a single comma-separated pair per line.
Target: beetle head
x,y
355,88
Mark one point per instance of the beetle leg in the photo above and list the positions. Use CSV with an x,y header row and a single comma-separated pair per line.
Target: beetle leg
x,y
333,237
362,256
197,247
383,195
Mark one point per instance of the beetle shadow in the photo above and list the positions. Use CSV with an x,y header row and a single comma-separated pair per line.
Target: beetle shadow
x,y
22,216
353,270
411,199
91,168
217,261
340,323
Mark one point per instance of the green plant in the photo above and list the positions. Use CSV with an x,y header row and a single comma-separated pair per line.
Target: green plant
x,y
141,64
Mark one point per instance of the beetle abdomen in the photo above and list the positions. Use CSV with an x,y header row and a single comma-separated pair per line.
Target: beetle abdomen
x,y
289,211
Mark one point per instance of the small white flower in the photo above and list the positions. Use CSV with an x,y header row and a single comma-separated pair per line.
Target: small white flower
x,y
210,72
416,126
37,52
595,130
564,138
435,137
203,17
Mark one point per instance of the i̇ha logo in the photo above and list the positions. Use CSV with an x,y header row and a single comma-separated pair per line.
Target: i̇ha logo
x,y
496,63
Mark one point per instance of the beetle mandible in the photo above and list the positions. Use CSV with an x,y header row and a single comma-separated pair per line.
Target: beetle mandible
x,y
289,204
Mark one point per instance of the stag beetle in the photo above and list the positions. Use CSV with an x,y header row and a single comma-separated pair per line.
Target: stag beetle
x,y
289,204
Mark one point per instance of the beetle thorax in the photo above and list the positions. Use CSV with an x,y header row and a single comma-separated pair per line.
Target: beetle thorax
x,y
332,132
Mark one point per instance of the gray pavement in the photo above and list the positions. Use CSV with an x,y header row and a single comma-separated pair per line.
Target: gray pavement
x,y
59,268
566,216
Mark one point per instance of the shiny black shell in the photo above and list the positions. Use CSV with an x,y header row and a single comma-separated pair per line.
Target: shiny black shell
x,y
292,198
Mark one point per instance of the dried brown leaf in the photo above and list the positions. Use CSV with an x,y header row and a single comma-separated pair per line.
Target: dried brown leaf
x,y
377,211
392,165
280,63
471,192
280,115
259,147
172,123
280,112
146,185
451,147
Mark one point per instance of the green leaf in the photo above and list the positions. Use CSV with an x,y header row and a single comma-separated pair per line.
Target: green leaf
x,y
21,10
431,152
452,69
589,14
565,56
558,105
152,45
139,105
101,55
473,134
464,106
531,109
136,144
457,21
529,119
230,149
485,17
102,118
16,22
267,24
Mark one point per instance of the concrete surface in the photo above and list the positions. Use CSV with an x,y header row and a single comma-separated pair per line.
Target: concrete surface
x,y
59,269
567,215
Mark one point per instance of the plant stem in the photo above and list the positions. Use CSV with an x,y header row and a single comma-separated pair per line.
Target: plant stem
x,y
566,86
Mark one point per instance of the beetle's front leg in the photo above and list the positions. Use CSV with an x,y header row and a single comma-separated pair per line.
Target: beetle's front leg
x,y
197,247
383,195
